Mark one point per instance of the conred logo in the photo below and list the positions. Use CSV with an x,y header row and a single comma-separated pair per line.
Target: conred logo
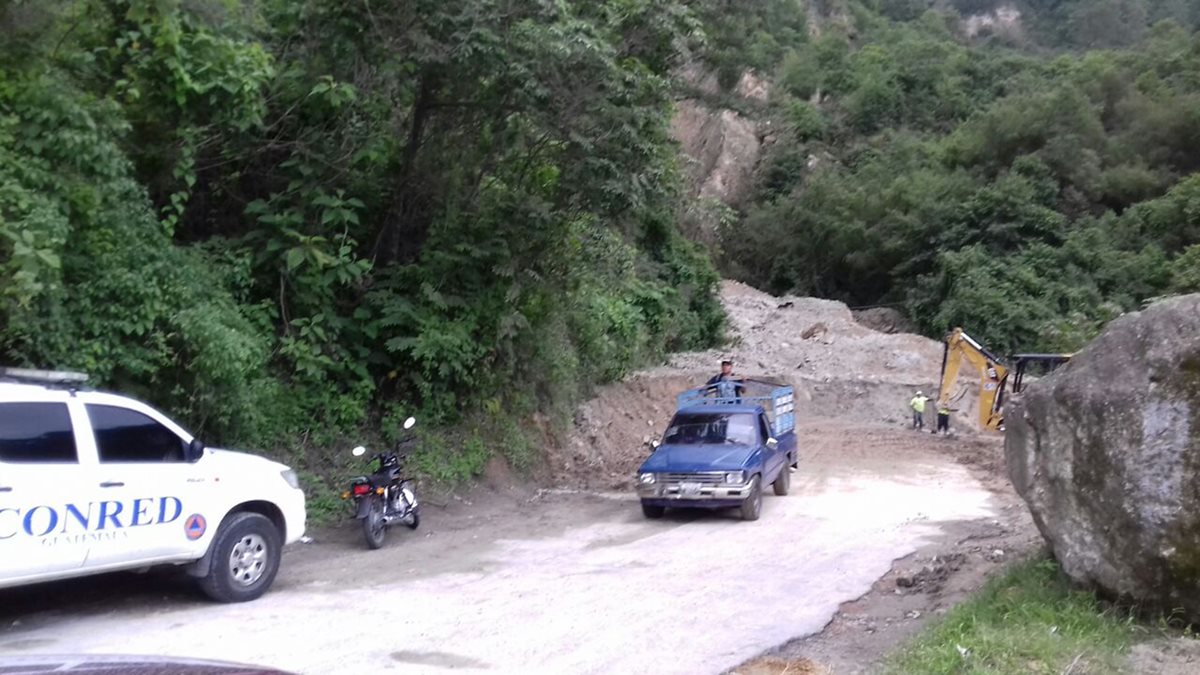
x,y
74,523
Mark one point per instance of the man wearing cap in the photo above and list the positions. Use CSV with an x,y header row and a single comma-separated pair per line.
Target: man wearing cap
x,y
918,407
724,383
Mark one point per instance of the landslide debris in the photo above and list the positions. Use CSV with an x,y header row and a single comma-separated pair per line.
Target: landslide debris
x,y
840,368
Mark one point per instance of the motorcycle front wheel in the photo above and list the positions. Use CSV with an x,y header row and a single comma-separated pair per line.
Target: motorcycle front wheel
x,y
374,529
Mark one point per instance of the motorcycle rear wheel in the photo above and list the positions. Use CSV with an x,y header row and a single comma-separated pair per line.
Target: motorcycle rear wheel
x,y
374,529
413,521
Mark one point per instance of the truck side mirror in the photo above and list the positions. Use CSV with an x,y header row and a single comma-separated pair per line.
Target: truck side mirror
x,y
772,443
195,450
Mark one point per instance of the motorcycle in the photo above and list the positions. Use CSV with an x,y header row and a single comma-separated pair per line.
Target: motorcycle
x,y
385,497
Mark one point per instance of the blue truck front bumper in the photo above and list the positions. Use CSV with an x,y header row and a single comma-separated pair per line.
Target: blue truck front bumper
x,y
694,503
683,495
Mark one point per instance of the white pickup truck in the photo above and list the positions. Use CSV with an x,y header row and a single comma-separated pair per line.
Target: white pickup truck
x,y
93,482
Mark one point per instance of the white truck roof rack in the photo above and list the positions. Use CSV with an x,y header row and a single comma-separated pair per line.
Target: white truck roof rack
x,y
49,378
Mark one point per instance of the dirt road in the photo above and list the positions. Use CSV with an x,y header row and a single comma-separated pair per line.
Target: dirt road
x,y
563,583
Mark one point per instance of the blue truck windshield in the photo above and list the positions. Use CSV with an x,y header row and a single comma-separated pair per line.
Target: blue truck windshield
x,y
712,429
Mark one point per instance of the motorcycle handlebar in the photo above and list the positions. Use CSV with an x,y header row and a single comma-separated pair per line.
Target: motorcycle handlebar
x,y
396,449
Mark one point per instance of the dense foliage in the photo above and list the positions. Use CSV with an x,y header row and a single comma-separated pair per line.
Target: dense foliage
x,y
1027,196
1102,23
748,34
289,220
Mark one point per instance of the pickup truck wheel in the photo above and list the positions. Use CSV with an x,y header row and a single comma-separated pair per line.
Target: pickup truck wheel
x,y
653,512
752,505
245,558
783,482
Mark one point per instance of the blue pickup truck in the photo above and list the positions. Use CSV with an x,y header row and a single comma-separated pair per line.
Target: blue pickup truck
x,y
720,452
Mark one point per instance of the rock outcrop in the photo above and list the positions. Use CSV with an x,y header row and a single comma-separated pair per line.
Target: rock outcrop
x,y
1106,452
1003,20
721,149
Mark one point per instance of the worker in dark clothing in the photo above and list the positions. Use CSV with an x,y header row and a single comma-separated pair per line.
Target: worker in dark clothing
x,y
725,384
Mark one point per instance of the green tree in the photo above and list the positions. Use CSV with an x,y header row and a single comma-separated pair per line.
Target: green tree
x,y
284,220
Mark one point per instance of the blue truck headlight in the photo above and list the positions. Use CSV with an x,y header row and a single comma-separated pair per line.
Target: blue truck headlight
x,y
735,478
647,479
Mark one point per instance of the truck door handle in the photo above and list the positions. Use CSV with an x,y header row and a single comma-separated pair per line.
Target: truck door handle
x,y
112,483
5,488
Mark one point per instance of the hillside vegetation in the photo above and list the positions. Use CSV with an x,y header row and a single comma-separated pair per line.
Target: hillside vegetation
x,y
1016,182
290,221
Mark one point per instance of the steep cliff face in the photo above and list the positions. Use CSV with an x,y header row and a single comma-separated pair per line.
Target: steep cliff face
x,y
721,147
723,132
1004,19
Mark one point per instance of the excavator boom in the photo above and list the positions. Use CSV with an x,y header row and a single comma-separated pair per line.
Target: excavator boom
x,y
993,375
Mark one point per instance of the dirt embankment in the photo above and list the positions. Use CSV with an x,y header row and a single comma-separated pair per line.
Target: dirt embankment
x,y
840,368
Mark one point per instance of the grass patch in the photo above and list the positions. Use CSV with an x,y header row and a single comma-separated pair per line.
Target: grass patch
x,y
1031,620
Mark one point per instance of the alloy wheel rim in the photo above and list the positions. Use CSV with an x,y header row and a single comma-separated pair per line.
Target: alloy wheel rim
x,y
248,559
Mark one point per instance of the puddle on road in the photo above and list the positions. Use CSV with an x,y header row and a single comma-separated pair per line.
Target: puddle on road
x,y
438,659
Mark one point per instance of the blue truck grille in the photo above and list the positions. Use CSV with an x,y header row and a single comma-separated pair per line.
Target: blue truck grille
x,y
711,478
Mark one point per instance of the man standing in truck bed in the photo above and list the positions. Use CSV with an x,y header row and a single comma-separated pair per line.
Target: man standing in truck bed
x,y
724,383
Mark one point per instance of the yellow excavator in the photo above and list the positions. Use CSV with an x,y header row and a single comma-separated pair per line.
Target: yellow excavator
x,y
993,375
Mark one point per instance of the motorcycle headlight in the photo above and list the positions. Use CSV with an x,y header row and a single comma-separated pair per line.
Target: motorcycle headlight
x,y
735,478
647,479
291,478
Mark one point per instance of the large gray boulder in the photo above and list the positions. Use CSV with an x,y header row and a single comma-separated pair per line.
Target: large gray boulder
x,y
1106,452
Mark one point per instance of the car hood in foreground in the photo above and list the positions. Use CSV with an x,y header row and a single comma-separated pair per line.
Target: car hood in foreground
x,y
106,664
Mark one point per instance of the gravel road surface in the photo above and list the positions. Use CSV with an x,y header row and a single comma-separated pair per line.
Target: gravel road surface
x,y
560,583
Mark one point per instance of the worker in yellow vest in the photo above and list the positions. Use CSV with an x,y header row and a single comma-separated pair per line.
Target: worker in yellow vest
x,y
943,419
918,407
